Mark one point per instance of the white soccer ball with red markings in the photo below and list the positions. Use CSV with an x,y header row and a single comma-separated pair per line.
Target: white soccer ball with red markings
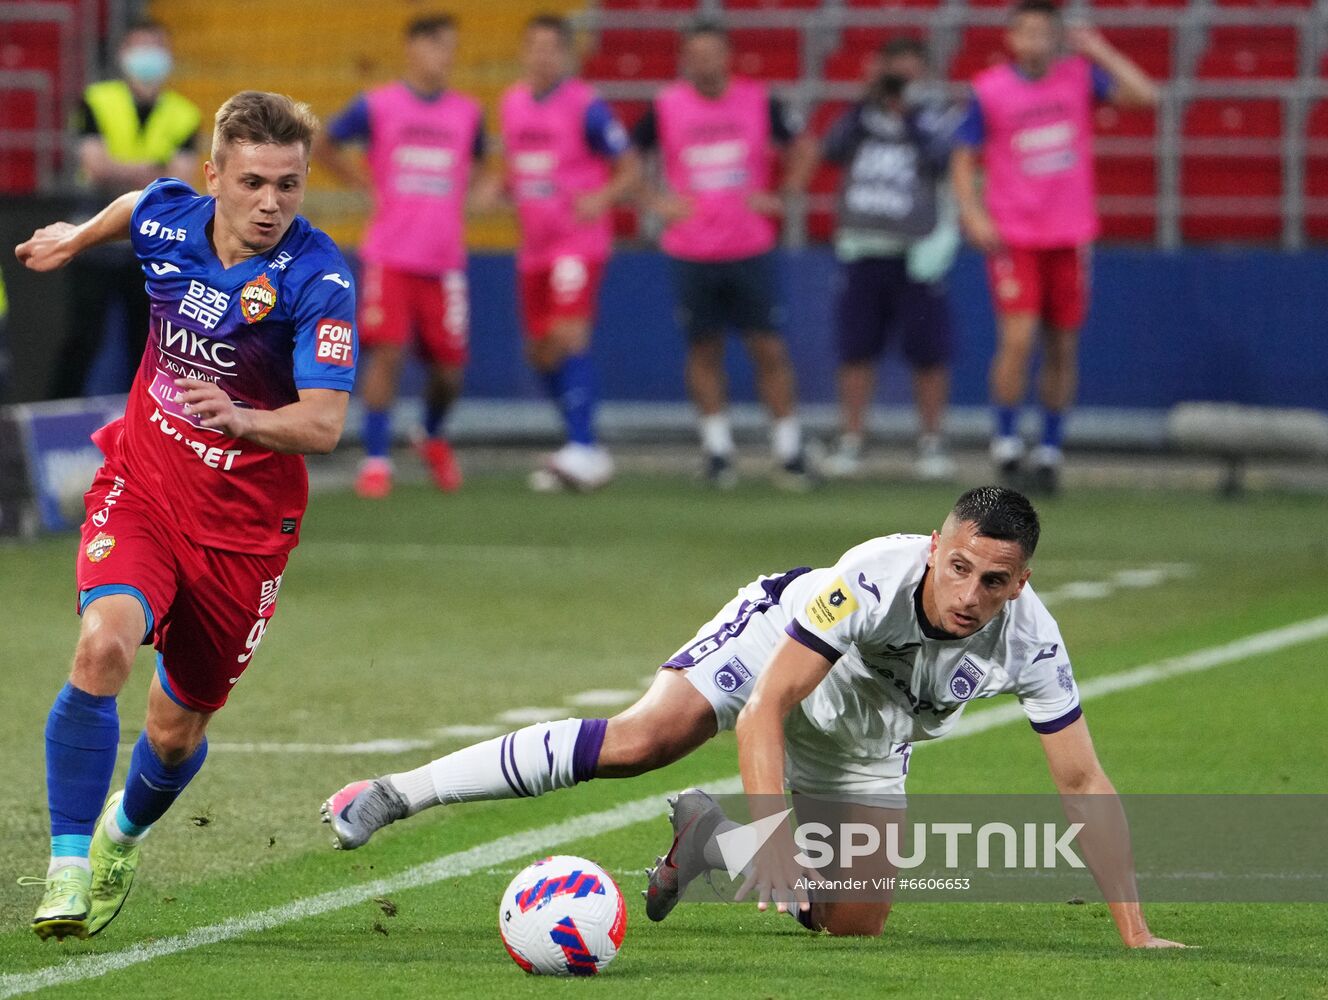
x,y
562,916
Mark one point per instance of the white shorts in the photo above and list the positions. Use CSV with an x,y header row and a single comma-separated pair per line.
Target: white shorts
x,y
725,658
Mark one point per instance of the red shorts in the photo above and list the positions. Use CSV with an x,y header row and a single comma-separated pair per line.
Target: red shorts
x,y
565,291
207,609
1052,284
436,307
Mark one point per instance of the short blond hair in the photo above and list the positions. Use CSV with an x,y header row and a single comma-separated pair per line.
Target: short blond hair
x,y
259,118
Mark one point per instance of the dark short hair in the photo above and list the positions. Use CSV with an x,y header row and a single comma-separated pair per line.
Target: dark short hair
x,y
430,24
1043,7
1000,513
556,23
905,45
705,26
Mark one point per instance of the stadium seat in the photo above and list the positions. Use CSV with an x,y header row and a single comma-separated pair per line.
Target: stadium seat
x,y
18,117
1126,168
1316,172
1265,3
772,4
855,46
1239,173
767,53
1140,3
624,54
981,47
1150,47
1250,52
645,5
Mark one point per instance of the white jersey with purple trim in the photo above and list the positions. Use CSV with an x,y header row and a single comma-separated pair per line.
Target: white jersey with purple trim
x,y
894,683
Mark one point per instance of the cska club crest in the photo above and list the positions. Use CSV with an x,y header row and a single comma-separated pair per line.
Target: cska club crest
x,y
257,299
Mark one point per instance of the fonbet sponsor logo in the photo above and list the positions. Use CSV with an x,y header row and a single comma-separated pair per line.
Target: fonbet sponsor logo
x,y
1031,846
336,342
212,456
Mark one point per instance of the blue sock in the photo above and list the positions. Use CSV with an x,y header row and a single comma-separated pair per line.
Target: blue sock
x,y
1052,428
433,419
572,385
377,433
151,786
1007,421
82,736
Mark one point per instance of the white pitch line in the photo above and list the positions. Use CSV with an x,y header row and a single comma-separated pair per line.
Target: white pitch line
x,y
485,856
601,697
529,715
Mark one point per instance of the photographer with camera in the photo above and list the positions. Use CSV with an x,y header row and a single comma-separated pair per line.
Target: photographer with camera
x,y
896,235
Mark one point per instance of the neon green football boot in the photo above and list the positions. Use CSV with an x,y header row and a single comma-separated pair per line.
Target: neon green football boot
x,y
113,868
66,904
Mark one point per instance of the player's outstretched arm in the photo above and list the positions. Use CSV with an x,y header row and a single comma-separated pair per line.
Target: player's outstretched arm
x,y
792,674
311,426
1089,798
1133,88
54,246
973,216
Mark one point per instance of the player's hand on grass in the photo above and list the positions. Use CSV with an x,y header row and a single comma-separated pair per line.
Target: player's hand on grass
x,y
776,877
214,409
49,248
981,232
1148,940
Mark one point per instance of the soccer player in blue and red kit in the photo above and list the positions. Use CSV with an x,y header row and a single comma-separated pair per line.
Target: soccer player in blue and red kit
x,y
249,365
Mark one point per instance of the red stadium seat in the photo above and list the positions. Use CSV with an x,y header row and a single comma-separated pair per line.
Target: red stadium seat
x,y
772,4
1140,3
18,116
1150,47
767,53
648,4
623,54
1265,3
1112,121
856,45
1316,172
981,47
1246,176
1250,52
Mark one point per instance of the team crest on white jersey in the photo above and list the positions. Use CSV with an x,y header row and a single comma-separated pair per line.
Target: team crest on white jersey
x,y
966,678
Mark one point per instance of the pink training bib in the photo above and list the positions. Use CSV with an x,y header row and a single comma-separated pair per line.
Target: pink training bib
x,y
1038,153
717,153
419,156
549,165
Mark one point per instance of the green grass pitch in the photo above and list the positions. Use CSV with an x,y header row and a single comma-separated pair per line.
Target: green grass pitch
x,y
423,612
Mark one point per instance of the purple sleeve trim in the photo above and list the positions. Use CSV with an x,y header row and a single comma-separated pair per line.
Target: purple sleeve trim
x,y
585,755
1056,725
815,643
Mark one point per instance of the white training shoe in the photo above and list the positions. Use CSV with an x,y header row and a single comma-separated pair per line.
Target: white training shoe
x,y
581,467
846,460
933,463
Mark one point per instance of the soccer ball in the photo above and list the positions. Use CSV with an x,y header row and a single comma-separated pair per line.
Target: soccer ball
x,y
562,916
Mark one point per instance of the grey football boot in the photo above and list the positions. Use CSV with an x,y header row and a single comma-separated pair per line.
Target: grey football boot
x,y
360,809
695,818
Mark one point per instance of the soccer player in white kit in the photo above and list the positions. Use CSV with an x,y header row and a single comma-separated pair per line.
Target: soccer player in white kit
x,y
828,676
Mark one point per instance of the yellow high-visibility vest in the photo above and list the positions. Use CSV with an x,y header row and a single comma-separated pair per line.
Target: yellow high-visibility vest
x,y
172,121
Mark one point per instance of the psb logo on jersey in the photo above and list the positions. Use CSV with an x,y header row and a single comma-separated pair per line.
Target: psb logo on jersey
x,y
257,299
832,605
732,675
100,547
967,676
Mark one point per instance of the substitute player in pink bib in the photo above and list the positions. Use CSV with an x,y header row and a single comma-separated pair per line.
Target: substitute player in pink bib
x,y
1030,126
420,141
567,162
718,138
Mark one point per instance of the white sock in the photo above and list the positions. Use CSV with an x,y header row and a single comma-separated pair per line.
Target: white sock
x,y
112,827
72,861
717,434
528,762
786,438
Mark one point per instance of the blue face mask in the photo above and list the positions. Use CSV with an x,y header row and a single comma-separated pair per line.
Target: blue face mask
x,y
146,64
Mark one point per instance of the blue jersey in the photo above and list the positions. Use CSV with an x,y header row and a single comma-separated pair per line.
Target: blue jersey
x,y
263,330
